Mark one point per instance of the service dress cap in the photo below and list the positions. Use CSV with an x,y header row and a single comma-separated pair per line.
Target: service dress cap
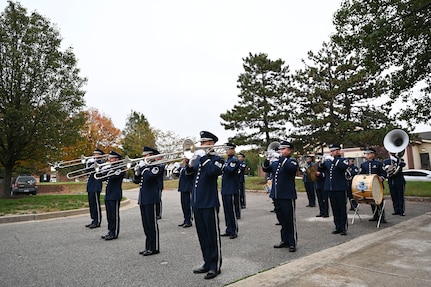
x,y
333,147
285,144
207,136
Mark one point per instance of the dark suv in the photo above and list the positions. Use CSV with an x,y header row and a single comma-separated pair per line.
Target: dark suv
x,y
24,184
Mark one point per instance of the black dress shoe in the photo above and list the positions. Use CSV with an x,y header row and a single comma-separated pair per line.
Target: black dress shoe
x,y
92,226
200,270
182,224
325,216
212,274
319,215
383,220
142,252
225,234
104,236
150,252
187,225
278,223
343,232
395,213
281,245
292,249
158,217
402,214
336,231
88,225
110,237
373,219
233,236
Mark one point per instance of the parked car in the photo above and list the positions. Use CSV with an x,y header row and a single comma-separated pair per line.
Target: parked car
x,y
24,184
417,175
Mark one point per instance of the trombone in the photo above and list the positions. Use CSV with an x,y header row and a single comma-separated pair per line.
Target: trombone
x,y
189,148
78,161
86,170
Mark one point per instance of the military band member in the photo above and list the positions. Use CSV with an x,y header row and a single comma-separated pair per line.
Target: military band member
x,y
334,167
94,188
148,177
113,195
321,193
373,166
308,183
283,169
206,166
159,206
397,183
230,188
352,170
242,168
185,184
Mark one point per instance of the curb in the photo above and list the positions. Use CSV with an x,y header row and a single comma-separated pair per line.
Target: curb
x,y
50,215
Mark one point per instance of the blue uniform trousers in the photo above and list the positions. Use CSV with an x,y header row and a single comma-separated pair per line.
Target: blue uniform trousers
x,y
309,188
151,228
338,200
229,215
397,195
95,207
237,206
285,211
113,216
208,229
185,206
322,199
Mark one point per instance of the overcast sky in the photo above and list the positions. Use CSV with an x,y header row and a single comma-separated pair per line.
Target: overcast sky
x,y
178,61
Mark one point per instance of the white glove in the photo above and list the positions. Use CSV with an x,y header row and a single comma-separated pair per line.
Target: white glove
x,y
329,157
91,160
142,163
200,152
393,158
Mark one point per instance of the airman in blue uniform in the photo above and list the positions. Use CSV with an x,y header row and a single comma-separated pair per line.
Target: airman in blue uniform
x,y
242,197
283,169
94,188
113,195
397,183
334,167
373,166
229,188
148,177
206,166
185,185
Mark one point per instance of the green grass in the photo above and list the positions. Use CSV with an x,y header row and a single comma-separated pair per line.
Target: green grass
x,y
78,197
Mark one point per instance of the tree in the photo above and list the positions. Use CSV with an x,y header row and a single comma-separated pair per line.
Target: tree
x,y
40,91
137,134
393,37
97,131
334,102
262,111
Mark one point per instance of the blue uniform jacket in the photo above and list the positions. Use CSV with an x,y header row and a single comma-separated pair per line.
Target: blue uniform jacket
x,y
206,170
114,190
283,174
185,182
230,179
93,185
242,167
149,181
334,170
372,167
397,179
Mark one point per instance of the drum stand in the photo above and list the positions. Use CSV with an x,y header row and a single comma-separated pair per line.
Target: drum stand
x,y
378,209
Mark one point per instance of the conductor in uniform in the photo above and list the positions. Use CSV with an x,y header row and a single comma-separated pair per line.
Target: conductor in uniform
x,y
230,188
334,167
148,177
94,188
283,169
113,195
206,165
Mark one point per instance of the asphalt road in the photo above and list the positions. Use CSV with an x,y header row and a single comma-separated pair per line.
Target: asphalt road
x,y
62,252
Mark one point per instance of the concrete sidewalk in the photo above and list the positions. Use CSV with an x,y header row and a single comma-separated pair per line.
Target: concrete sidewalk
x,y
395,256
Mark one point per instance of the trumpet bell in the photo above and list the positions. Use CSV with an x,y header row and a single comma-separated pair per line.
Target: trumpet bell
x,y
396,141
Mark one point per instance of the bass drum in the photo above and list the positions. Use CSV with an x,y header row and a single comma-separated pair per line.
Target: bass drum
x,y
367,188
